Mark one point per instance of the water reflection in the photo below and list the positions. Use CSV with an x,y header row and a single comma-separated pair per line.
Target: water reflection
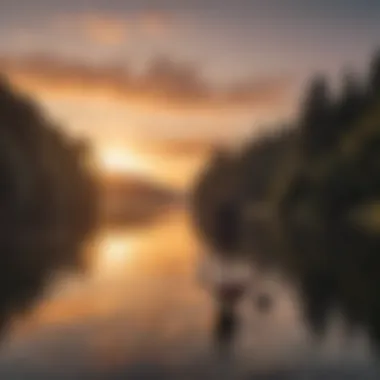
x,y
139,300
114,251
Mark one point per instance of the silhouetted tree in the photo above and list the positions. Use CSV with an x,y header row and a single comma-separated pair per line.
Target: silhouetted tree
x,y
316,120
351,104
374,77
216,206
333,254
48,201
264,170
309,203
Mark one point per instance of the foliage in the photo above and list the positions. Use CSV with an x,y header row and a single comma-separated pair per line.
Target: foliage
x,y
48,202
308,201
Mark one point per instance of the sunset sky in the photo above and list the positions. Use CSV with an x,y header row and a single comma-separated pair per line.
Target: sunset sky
x,y
137,73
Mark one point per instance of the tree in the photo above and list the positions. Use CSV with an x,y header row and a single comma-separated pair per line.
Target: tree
x,y
316,119
351,105
215,203
42,189
310,203
374,77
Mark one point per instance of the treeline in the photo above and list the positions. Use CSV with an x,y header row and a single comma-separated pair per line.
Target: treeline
x,y
306,201
48,201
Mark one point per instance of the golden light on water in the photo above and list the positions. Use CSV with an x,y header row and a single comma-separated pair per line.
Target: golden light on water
x,y
115,252
140,287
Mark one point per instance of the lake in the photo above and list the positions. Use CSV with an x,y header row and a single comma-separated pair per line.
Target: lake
x,y
141,301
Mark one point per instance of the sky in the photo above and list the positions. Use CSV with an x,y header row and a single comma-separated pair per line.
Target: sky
x,y
124,73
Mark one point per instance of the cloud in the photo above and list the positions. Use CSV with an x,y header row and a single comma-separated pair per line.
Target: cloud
x,y
165,84
155,23
105,31
98,28
110,29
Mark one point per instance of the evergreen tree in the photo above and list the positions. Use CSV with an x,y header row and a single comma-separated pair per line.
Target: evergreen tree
x,y
48,200
374,77
350,105
316,120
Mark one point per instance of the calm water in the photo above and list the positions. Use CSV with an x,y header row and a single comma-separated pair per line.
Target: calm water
x,y
141,301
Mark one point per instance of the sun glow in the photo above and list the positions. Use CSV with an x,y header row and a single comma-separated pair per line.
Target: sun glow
x,y
120,161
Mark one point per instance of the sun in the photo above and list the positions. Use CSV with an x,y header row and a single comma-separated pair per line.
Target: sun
x,y
120,161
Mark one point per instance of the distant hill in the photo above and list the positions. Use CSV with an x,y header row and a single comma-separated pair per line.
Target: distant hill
x,y
133,200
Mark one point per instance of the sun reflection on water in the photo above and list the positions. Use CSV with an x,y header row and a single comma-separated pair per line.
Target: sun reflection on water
x,y
115,252
140,289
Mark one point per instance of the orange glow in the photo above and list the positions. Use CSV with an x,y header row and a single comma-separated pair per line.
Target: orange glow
x,y
103,30
60,79
120,161
115,252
